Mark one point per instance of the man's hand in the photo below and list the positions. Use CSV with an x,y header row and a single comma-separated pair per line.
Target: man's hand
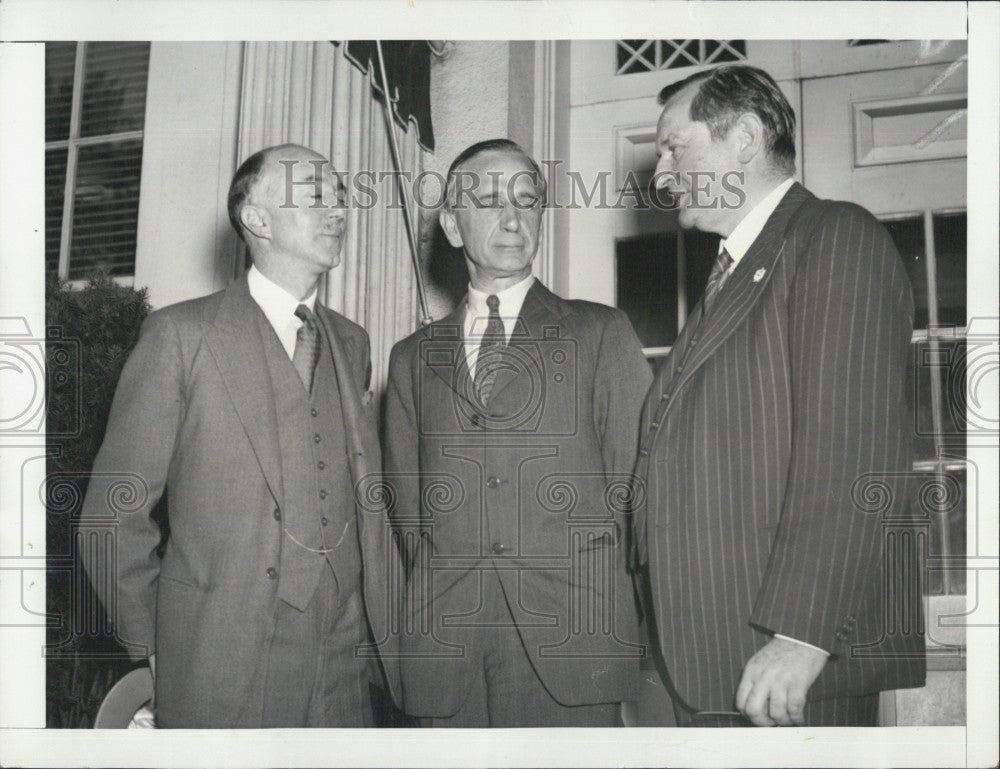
x,y
775,681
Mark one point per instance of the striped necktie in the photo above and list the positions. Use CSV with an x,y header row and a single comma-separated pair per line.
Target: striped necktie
x,y
306,346
720,271
494,340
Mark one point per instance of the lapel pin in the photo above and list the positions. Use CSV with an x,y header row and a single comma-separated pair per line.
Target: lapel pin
x,y
757,276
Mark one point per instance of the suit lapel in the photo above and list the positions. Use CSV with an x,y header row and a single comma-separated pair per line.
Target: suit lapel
x,y
235,343
358,429
741,291
442,351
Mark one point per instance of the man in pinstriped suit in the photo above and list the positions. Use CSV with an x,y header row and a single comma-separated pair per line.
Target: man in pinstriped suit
x,y
784,391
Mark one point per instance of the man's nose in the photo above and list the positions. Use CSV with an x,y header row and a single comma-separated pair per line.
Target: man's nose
x,y
664,173
510,217
337,212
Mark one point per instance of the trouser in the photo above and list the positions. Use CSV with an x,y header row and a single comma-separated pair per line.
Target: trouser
x,y
505,691
313,676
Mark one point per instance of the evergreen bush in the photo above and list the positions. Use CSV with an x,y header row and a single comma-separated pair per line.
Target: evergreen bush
x,y
90,332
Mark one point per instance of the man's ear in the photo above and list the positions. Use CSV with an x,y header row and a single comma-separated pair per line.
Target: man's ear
x,y
749,136
450,227
255,221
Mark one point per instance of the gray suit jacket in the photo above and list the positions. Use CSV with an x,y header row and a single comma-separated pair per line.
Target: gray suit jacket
x,y
193,416
766,432
534,486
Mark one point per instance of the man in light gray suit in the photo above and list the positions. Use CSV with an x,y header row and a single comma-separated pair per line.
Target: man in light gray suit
x,y
782,397
268,606
511,431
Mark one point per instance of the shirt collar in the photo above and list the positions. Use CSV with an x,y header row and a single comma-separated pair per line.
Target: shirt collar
x,y
511,301
278,305
750,226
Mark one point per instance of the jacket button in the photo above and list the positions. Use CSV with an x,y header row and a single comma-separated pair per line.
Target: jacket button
x,y
277,514
322,493
497,548
272,573
643,452
324,520
492,482
316,438
314,412
321,465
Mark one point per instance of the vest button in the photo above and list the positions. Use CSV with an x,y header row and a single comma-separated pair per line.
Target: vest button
x,y
316,438
314,412
321,465
277,514
498,548
322,493
492,482
271,572
324,520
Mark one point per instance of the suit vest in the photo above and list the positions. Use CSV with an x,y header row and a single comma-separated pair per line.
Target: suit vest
x,y
318,519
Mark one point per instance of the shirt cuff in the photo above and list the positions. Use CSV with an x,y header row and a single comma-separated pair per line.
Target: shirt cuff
x,y
801,643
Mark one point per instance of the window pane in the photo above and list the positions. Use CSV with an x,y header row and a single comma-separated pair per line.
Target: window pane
x,y
114,92
106,208
950,255
947,361
627,49
60,61
55,181
647,281
939,500
701,250
908,235
647,286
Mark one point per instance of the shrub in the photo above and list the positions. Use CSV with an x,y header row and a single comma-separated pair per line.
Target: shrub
x,y
90,334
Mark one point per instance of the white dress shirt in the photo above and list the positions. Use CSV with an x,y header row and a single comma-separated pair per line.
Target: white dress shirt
x,y
750,226
477,316
279,307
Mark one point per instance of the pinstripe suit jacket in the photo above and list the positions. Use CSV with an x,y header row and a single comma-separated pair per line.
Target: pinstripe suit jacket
x,y
763,434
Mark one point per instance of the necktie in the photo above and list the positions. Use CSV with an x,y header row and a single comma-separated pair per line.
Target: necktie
x,y
490,348
715,280
306,346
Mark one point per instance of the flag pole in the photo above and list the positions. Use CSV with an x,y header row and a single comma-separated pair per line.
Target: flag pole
x,y
425,317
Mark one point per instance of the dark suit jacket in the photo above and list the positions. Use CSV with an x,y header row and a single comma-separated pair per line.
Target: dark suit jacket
x,y
766,431
534,486
194,415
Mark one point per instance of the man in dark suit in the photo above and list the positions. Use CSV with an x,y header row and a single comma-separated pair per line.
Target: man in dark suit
x,y
782,397
511,431
247,408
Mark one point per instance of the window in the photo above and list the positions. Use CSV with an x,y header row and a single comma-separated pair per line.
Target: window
x,y
933,247
95,104
653,55
660,277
